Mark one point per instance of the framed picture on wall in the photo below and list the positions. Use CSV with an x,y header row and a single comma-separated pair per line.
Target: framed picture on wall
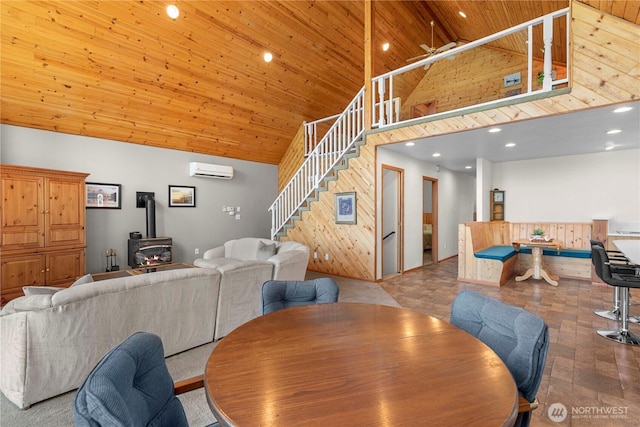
x,y
102,196
346,208
182,196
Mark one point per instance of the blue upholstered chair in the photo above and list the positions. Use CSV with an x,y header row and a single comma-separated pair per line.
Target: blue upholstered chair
x,y
520,338
131,386
279,294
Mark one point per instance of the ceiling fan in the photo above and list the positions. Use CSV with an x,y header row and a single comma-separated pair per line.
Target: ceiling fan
x,y
433,51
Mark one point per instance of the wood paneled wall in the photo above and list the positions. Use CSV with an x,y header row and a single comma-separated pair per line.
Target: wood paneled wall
x,y
605,71
473,77
572,235
292,160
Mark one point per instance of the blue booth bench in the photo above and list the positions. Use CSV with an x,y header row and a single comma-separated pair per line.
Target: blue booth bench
x,y
486,255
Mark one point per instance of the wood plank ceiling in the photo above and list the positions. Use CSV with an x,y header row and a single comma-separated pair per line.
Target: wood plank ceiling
x,y
122,70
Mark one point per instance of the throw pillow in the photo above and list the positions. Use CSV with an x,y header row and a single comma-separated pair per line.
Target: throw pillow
x,y
266,251
81,281
40,290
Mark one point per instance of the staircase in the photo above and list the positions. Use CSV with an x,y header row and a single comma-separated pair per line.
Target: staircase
x,y
331,154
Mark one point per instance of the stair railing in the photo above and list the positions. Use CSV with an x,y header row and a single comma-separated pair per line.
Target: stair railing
x,y
339,140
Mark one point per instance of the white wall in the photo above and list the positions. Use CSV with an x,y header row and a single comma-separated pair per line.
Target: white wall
x,y
456,201
142,168
571,188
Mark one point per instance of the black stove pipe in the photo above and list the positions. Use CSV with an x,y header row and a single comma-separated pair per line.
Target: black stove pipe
x,y
150,205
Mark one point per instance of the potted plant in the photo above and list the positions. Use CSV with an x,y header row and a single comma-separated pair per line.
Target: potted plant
x,y
540,76
537,234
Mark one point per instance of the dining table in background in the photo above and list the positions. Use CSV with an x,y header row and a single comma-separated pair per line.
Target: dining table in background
x,y
354,364
536,270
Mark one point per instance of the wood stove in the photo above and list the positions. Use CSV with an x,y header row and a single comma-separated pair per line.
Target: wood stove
x,y
150,251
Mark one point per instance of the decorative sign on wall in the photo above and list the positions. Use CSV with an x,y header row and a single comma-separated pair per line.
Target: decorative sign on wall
x,y
346,208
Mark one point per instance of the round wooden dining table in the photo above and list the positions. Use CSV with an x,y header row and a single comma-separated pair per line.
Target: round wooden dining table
x,y
353,364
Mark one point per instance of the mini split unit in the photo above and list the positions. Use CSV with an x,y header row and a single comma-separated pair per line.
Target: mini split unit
x,y
210,171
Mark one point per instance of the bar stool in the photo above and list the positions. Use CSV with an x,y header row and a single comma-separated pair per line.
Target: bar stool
x,y
620,265
623,283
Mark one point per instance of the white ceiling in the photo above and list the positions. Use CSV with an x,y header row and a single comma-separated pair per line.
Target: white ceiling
x,y
561,135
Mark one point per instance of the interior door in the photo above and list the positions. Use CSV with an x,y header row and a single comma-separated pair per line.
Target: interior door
x,y
430,217
392,221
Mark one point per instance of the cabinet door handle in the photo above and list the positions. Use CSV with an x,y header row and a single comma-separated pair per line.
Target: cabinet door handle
x,y
42,271
48,269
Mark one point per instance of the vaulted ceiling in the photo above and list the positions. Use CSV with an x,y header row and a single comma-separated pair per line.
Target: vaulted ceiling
x,y
123,70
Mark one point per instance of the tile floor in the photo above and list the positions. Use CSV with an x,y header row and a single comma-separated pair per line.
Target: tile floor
x,y
597,380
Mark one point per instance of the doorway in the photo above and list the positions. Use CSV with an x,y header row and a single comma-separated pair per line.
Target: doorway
x,y
392,221
429,220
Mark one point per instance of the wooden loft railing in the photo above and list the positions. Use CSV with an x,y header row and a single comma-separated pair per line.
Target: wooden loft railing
x,y
546,27
327,155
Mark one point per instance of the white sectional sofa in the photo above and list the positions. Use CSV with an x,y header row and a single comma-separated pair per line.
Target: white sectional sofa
x,y
245,265
50,343
289,259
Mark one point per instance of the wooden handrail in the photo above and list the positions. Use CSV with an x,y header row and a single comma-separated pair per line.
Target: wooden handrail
x,y
189,384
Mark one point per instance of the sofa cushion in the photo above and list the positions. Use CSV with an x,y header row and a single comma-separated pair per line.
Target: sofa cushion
x,y
249,249
87,278
266,251
568,253
244,249
40,290
499,252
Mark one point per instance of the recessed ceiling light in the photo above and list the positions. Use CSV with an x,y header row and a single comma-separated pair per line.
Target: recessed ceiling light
x,y
461,13
385,47
609,146
410,144
173,11
622,109
494,130
268,57
436,154
468,167
613,131
510,144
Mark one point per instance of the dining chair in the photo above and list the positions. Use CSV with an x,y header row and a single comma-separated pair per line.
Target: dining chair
x,y
621,266
623,283
131,386
518,337
279,294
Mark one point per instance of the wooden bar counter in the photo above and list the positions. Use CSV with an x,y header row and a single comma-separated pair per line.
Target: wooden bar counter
x,y
351,364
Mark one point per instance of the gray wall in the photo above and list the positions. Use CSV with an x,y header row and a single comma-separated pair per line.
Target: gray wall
x,y
141,168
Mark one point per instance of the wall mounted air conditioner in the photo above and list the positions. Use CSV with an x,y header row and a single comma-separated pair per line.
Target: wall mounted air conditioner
x,y
210,171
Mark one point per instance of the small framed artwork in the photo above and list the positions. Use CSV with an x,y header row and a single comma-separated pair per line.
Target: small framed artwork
x,y
346,208
182,197
103,196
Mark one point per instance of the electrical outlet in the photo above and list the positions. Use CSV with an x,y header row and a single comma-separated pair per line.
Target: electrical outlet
x,y
237,216
315,255
512,79
326,257
197,251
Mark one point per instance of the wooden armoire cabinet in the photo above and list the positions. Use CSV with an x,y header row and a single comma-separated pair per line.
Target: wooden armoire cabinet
x,y
42,228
